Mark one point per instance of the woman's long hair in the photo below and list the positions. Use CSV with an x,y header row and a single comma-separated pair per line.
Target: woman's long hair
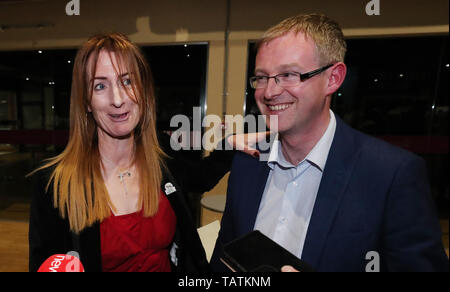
x,y
79,190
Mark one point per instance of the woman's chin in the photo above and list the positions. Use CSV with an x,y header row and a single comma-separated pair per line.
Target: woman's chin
x,y
120,135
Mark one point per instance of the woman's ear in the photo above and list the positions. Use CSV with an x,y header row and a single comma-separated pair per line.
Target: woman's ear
x,y
336,78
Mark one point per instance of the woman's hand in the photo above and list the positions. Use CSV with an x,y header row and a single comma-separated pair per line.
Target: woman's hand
x,y
288,269
246,142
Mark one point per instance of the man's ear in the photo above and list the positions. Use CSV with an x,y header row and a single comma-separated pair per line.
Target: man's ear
x,y
336,78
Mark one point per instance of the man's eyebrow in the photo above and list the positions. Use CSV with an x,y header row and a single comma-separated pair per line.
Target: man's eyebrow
x,y
260,71
289,66
280,68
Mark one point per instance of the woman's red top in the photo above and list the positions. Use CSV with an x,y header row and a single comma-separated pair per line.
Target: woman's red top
x,y
133,243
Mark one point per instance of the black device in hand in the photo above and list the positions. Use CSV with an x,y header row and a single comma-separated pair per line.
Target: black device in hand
x,y
255,252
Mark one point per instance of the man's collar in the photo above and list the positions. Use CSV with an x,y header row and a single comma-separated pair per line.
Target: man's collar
x,y
318,155
275,152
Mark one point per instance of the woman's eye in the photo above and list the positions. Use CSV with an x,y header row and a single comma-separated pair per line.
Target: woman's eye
x,y
126,82
99,86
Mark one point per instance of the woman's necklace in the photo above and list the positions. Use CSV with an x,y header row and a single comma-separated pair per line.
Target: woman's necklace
x,y
121,177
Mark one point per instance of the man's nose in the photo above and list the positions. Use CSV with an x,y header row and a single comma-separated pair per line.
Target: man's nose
x,y
272,89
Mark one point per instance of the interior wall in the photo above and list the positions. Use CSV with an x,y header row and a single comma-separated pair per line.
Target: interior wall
x,y
150,21
43,24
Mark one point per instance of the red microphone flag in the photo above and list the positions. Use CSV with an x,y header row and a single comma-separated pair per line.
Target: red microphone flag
x,y
62,263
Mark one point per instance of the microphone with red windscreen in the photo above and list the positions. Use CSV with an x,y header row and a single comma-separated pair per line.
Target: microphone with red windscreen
x,y
69,262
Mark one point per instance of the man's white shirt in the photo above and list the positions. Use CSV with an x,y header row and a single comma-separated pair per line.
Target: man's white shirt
x,y
288,199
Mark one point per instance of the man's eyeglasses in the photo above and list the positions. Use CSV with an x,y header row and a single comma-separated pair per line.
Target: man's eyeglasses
x,y
288,79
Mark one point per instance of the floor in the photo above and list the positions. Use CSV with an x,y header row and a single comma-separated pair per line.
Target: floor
x,y
14,238
13,246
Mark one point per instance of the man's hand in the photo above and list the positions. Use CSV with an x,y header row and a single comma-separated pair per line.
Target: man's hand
x,y
246,142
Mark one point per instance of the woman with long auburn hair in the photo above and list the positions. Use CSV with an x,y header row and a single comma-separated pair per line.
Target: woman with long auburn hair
x,y
109,196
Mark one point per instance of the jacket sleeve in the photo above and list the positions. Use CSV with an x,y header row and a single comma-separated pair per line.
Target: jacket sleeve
x,y
412,238
45,228
197,175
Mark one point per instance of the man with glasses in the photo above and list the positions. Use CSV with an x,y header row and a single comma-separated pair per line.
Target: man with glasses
x,y
328,194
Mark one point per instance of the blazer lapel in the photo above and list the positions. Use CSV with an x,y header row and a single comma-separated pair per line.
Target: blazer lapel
x,y
171,189
258,187
338,170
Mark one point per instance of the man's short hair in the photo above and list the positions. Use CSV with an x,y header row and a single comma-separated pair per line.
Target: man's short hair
x,y
325,32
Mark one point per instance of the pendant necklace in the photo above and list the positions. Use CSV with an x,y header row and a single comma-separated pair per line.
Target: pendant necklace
x,y
121,177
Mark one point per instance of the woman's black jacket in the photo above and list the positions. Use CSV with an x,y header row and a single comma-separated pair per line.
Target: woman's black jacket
x,y
49,234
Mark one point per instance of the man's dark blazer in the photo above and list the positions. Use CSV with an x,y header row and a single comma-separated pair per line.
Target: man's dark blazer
x,y
372,197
